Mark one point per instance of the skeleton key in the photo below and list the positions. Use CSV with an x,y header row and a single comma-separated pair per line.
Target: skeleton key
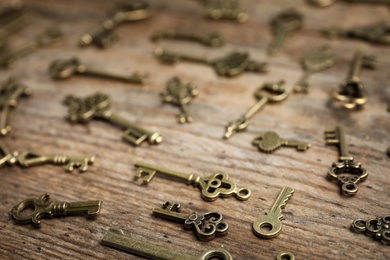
x,y
115,238
378,228
351,90
282,25
43,208
212,187
180,94
325,3
345,171
268,92
226,9
97,106
314,61
63,69
13,26
270,141
212,39
230,65
11,6
205,226
269,225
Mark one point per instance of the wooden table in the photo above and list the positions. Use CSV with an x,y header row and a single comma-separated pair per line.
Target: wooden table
x,y
317,218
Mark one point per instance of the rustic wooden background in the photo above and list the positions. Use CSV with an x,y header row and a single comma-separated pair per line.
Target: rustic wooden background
x,y
317,218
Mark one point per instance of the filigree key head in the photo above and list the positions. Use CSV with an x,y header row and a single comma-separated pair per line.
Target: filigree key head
x,y
179,93
273,91
207,226
232,64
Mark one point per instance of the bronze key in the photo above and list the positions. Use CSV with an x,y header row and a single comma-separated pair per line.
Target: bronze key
x,y
212,39
270,141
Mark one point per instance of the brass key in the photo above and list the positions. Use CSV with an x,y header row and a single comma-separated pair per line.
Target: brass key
x,y
16,24
212,39
97,106
63,69
212,187
115,238
43,208
325,3
346,172
268,92
230,65
226,9
270,141
206,226
269,225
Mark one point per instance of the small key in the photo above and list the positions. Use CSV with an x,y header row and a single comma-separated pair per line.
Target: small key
x,y
232,64
270,141
180,94
212,187
10,6
285,256
43,208
378,228
212,39
346,172
97,106
268,92
115,238
282,25
269,225
226,9
16,24
63,69
206,226
326,3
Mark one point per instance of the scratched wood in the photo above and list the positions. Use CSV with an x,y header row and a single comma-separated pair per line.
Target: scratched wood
x,y
317,218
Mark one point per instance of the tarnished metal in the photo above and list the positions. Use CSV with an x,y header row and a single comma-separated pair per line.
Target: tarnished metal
x,y
270,141
212,39
326,3
285,256
226,9
377,228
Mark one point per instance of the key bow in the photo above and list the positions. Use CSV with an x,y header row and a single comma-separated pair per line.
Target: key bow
x,y
207,226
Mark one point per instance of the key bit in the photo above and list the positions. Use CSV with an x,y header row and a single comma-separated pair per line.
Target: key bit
x,y
226,9
270,141
377,228
212,39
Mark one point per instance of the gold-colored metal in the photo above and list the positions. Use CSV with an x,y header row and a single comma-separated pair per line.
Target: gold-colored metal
x,y
10,92
226,9
232,64
43,208
378,228
282,25
115,238
180,94
285,256
311,62
97,106
212,39
269,225
206,227
63,69
15,24
270,141
212,187
345,172
326,3
268,92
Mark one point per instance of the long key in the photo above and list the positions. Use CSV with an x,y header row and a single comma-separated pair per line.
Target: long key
x,y
269,225
13,26
282,25
345,172
268,92
212,187
97,107
212,39
270,141
115,238
206,227
43,208
326,3
63,69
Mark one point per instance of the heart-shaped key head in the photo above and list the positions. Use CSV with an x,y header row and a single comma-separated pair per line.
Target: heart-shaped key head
x,y
232,64
351,94
268,142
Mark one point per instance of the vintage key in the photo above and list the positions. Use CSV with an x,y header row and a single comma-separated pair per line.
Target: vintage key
x,y
16,24
282,25
212,39
232,64
268,92
63,69
97,106
180,94
115,238
326,3
378,228
346,172
226,9
270,141
269,225
311,62
212,187
206,227
43,208
351,91
10,92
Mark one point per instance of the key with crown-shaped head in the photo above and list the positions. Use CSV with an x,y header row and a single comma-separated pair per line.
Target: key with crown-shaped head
x,y
270,141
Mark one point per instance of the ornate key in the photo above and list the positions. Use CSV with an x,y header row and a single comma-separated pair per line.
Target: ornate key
x,y
230,65
97,106
115,238
346,172
351,90
212,187
378,228
180,94
16,24
268,92
282,25
269,224
63,69
11,90
226,9
325,3
311,62
270,141
285,256
43,208
206,226
212,39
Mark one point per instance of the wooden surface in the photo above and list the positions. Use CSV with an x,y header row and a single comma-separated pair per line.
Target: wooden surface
x,y
317,218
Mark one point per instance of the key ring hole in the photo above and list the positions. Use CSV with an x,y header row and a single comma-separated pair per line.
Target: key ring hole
x,y
216,254
216,183
349,188
243,194
266,227
285,256
359,225
26,210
